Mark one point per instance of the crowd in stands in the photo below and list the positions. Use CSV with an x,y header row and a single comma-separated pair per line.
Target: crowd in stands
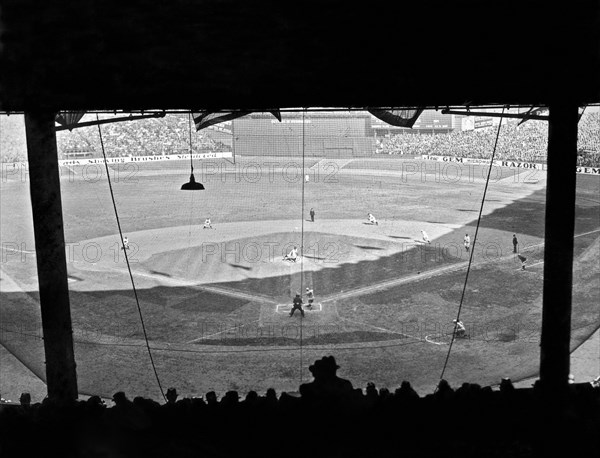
x,y
13,147
527,142
327,418
145,137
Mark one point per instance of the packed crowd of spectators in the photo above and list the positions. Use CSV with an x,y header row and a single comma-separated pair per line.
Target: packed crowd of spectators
x,y
170,135
13,147
527,142
327,418
144,137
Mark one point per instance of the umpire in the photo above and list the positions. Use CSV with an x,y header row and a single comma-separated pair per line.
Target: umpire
x,y
297,305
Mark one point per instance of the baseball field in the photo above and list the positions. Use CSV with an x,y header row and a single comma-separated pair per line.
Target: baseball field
x,y
215,302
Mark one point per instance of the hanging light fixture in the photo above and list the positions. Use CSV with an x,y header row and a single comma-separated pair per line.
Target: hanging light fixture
x,y
191,185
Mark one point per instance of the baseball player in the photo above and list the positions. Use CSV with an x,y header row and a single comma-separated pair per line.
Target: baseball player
x,y
460,328
425,237
467,242
372,219
207,224
292,255
310,295
125,243
297,305
523,260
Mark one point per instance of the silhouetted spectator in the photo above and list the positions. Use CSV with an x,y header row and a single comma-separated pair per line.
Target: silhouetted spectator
x,y
230,398
251,397
384,394
120,399
25,399
406,392
171,395
95,402
444,392
326,382
506,385
371,391
211,398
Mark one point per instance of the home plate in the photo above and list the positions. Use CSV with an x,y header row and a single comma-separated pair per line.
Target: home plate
x,y
321,314
287,308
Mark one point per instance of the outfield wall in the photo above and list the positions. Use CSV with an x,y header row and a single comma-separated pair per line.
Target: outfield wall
x,y
510,164
344,147
330,135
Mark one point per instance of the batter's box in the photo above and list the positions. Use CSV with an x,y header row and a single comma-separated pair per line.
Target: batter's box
x,y
287,308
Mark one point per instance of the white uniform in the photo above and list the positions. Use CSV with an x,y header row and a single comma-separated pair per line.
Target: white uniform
x,y
311,296
292,255
125,243
467,242
460,328
372,219
207,224
425,237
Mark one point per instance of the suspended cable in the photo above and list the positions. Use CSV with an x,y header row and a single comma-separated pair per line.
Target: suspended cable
x,y
487,181
302,239
128,265
190,132
192,168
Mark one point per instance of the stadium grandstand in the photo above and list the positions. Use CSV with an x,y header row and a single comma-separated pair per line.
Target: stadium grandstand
x,y
527,142
329,134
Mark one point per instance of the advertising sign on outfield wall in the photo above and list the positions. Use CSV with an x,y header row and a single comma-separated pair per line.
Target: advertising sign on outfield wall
x,y
510,164
126,159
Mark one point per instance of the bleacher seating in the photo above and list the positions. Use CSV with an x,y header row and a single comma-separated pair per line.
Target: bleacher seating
x,y
525,143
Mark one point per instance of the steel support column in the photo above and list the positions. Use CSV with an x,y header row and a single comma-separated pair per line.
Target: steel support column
x,y
558,253
46,205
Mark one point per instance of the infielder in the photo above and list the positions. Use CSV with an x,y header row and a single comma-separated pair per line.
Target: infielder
x,y
460,328
425,237
292,255
467,242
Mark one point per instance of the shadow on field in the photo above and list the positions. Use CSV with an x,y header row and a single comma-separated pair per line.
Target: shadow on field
x,y
156,272
239,266
336,277
365,247
526,216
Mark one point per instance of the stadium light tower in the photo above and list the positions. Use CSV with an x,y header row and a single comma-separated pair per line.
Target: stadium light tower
x,y
191,185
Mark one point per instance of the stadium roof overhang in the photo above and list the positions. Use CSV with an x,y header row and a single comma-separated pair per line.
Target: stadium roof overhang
x,y
107,54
